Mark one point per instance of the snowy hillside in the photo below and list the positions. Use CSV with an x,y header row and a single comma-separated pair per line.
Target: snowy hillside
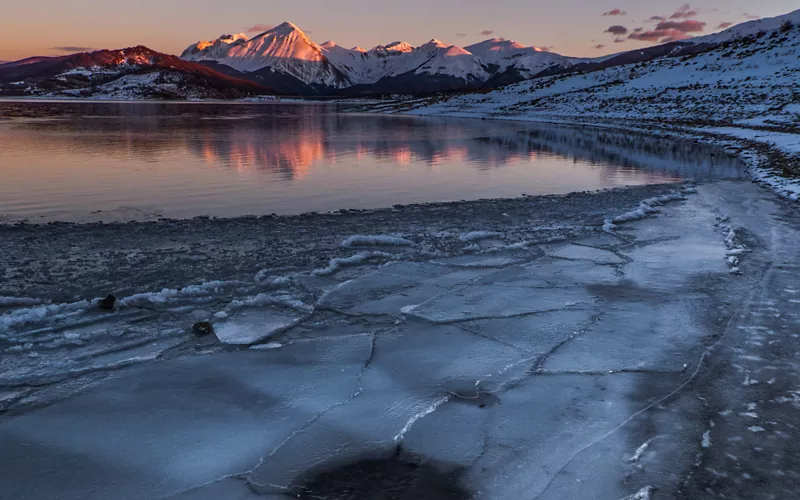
x,y
747,79
132,73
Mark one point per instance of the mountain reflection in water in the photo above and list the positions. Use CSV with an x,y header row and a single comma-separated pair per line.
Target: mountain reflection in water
x,y
63,159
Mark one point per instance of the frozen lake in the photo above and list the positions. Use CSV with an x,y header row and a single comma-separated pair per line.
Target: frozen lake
x,y
80,161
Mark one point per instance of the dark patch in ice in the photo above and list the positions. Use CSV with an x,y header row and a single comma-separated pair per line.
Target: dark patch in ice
x,y
396,478
202,329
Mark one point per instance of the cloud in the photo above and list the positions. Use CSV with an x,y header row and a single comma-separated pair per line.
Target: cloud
x,y
724,25
656,19
599,46
750,16
486,33
461,35
619,40
616,30
684,12
259,28
650,36
70,48
638,30
669,31
614,12
682,26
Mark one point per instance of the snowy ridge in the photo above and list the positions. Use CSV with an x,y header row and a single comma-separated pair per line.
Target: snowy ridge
x,y
287,49
750,28
507,53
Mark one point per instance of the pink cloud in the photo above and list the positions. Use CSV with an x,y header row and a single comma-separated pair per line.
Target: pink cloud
x,y
656,19
669,31
486,33
599,46
614,12
684,12
724,25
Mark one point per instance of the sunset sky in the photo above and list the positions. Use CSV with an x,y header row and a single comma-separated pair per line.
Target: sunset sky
x,y
569,27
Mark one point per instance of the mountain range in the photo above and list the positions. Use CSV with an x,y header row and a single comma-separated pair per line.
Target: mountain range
x,y
285,53
285,61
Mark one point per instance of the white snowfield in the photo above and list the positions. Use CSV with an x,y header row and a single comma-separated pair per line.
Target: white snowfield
x,y
286,48
743,85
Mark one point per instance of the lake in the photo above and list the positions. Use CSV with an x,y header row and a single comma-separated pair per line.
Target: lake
x,y
79,161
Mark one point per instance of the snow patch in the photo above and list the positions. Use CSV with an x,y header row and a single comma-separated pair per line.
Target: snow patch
x,y
372,240
6,301
640,451
645,209
266,347
706,443
479,235
643,494
338,263
51,312
170,294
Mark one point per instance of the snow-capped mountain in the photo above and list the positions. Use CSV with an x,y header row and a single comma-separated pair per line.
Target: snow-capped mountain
x,y
215,48
284,49
135,72
505,54
398,66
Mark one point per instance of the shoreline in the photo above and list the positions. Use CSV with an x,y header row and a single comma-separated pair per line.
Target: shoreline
x,y
756,153
311,239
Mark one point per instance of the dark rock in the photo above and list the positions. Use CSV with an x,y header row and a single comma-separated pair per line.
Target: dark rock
x,y
202,329
107,304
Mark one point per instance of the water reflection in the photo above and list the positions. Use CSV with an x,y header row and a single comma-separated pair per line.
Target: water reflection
x,y
293,158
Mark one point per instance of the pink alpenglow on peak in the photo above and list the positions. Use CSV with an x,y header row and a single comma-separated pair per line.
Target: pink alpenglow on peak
x,y
286,49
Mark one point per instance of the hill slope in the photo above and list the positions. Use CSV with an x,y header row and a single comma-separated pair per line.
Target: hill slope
x,y
749,78
136,72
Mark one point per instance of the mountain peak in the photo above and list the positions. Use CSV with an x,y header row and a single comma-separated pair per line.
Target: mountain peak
x,y
285,28
437,44
401,46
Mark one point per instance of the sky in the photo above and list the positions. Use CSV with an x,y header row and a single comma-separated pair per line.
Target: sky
x,y
569,27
